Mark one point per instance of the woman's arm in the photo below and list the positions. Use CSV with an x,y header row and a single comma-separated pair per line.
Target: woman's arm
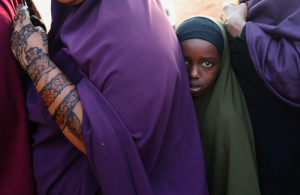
x,y
30,47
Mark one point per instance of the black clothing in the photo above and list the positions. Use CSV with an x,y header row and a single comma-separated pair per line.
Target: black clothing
x,y
276,127
201,28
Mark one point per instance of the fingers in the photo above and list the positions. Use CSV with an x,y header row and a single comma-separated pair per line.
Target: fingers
x,y
39,29
15,22
225,4
231,11
19,6
23,16
224,19
234,18
21,19
228,7
223,16
244,6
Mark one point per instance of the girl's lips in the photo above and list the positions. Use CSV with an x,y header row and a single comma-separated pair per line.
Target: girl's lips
x,y
195,89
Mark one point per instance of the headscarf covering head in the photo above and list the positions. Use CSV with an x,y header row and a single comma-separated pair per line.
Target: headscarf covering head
x,y
201,28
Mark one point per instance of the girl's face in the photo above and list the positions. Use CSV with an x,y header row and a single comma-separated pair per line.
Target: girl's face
x,y
202,62
71,2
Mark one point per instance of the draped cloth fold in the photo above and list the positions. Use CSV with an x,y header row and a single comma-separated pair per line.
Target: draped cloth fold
x,y
139,124
273,38
16,175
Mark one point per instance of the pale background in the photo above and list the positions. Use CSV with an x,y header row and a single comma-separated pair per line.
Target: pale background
x,y
44,7
178,9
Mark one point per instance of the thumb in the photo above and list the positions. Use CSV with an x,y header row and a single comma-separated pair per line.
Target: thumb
x,y
23,14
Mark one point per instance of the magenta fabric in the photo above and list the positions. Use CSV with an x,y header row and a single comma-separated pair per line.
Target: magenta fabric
x,y
139,122
273,39
16,175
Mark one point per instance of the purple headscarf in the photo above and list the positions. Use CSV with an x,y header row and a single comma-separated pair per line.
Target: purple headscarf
x,y
139,123
273,39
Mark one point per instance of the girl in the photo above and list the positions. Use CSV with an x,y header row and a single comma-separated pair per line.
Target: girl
x,y
222,114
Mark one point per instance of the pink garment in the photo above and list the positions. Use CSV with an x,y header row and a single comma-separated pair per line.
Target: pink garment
x,y
16,175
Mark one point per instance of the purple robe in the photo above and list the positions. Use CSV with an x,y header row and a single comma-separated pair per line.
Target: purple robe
x,y
16,175
139,124
273,39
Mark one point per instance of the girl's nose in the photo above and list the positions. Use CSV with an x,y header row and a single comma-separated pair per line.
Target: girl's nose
x,y
194,73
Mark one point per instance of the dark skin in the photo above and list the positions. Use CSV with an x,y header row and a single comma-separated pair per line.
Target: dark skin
x,y
202,62
236,18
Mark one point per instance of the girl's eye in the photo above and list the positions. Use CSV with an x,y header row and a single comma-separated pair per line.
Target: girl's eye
x,y
186,63
207,64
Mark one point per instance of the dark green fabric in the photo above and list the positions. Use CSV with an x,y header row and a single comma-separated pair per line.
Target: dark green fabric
x,y
226,134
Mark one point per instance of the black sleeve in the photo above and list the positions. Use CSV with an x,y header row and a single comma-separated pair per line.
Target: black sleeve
x,y
241,44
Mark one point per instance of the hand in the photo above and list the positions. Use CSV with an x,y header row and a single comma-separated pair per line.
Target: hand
x,y
234,18
29,44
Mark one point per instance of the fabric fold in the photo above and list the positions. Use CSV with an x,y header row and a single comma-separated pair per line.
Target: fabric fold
x,y
139,124
273,39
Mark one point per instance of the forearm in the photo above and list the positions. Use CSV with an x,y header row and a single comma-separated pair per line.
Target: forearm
x,y
63,103
30,46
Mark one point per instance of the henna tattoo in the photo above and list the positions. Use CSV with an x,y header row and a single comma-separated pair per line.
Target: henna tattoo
x,y
14,40
46,77
22,14
63,111
54,88
19,6
39,64
74,125
45,38
18,42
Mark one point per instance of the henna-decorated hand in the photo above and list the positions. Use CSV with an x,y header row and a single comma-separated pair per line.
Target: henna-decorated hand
x,y
234,18
30,46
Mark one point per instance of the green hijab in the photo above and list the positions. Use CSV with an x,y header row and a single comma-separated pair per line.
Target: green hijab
x,y
225,128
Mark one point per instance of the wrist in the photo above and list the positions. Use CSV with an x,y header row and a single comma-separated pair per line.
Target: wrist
x,y
238,28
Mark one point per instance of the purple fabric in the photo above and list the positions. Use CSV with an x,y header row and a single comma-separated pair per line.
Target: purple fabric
x,y
273,39
16,175
139,123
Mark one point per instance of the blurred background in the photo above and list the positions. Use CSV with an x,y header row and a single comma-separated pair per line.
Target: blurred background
x,y
177,10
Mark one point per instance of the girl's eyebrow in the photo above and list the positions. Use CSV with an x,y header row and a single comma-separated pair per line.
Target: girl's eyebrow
x,y
210,58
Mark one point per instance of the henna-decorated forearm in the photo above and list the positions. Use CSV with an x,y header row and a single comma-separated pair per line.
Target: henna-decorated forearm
x,y
54,88
74,125
63,111
32,53
45,38
18,42
39,64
